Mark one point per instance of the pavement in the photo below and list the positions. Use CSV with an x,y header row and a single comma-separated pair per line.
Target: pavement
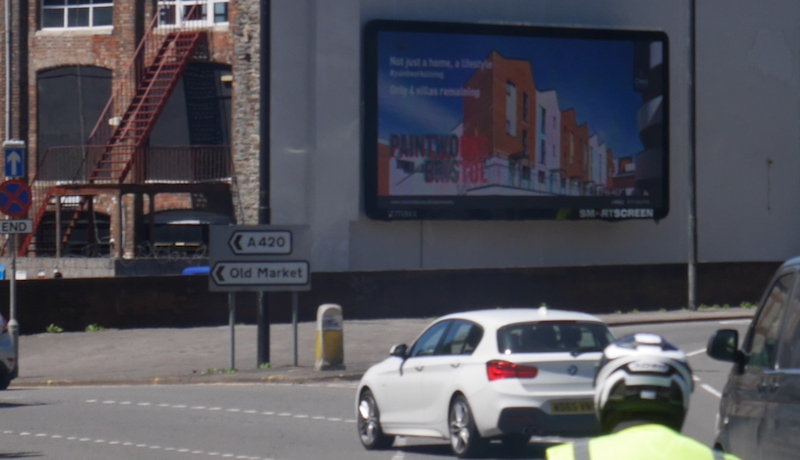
x,y
215,355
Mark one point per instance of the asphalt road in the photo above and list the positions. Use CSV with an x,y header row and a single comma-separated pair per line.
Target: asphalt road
x,y
258,421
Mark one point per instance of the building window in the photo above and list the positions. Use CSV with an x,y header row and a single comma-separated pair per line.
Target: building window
x,y
218,12
64,14
525,107
542,151
511,109
524,143
543,119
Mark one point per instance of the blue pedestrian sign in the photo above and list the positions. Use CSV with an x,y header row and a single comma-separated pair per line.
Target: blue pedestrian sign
x,y
14,159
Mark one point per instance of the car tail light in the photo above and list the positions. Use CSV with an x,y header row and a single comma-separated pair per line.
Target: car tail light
x,y
497,370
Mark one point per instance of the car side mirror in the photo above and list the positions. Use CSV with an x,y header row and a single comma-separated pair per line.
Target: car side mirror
x,y
399,351
724,346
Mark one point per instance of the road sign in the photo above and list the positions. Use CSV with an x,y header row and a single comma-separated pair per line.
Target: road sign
x,y
15,198
16,226
14,159
258,258
267,242
289,273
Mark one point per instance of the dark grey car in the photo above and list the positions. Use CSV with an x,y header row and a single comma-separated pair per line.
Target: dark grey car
x,y
759,415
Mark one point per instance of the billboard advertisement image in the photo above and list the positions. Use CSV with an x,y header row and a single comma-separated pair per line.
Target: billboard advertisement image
x,y
481,121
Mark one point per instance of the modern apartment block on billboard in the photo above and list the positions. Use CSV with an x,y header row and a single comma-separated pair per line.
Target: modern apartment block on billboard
x,y
509,122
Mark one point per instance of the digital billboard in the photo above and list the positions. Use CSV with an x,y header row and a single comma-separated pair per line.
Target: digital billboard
x,y
484,121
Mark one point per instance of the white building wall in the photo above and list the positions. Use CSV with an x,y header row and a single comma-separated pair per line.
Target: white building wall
x,y
549,100
747,108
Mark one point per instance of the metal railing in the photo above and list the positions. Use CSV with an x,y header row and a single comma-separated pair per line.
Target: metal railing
x,y
167,164
125,86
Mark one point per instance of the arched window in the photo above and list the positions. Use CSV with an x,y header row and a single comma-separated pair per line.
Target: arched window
x,y
69,103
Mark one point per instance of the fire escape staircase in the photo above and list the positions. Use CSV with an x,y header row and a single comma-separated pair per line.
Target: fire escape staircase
x,y
113,163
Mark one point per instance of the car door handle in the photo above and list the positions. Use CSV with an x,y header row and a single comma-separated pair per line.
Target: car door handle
x,y
419,368
454,365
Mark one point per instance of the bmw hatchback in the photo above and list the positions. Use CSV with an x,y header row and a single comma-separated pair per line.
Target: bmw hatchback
x,y
506,374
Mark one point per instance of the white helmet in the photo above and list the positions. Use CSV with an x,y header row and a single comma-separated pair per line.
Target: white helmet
x,y
642,377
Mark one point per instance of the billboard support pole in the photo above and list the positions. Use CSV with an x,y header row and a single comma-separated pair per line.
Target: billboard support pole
x,y
264,160
692,268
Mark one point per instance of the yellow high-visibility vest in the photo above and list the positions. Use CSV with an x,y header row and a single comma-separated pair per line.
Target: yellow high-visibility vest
x,y
644,442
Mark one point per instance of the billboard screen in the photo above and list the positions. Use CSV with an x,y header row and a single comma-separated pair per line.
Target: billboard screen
x,y
480,121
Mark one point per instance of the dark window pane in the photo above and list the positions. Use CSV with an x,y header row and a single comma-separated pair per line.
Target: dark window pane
x,y
549,337
426,345
78,2
767,327
53,18
194,13
102,16
167,15
78,17
220,12
54,2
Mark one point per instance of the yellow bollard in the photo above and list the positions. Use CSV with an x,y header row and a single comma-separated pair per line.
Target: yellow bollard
x,y
330,338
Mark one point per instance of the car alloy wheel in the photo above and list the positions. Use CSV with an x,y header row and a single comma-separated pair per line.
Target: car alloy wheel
x,y
464,438
369,425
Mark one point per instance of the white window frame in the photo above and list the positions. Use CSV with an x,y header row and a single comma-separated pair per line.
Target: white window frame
x,y
208,13
66,8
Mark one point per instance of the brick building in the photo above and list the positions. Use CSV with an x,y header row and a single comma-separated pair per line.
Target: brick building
x,y
127,110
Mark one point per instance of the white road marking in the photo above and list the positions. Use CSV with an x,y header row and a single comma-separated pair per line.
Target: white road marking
x,y
230,410
401,442
696,352
711,390
736,321
139,445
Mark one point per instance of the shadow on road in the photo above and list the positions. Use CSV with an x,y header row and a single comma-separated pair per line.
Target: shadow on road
x,y
495,450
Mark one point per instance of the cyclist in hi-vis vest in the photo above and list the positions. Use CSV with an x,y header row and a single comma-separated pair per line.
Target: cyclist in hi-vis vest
x,y
642,391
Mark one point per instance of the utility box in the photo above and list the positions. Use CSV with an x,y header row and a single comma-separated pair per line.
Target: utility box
x,y
330,338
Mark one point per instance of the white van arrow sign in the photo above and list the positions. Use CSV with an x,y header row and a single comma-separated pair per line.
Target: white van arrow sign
x,y
253,242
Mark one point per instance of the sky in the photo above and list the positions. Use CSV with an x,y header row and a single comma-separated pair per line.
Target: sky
x,y
595,77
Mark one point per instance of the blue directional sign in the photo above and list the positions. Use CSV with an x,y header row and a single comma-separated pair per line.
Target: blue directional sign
x,y
14,161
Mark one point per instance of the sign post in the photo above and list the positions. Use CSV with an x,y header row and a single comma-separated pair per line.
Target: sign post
x,y
15,201
260,258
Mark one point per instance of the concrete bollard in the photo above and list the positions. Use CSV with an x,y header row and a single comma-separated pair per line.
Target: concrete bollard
x,y
330,338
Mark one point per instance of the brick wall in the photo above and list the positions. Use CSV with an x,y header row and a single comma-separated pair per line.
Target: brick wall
x,y
184,301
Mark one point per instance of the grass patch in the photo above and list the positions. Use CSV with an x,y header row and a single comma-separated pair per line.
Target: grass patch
x,y
94,328
218,371
53,329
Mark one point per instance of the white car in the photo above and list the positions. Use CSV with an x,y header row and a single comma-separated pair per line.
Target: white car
x,y
506,374
8,366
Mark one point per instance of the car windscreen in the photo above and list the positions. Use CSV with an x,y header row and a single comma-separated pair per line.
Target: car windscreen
x,y
556,336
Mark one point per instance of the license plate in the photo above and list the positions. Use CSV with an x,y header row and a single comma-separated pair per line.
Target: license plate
x,y
571,407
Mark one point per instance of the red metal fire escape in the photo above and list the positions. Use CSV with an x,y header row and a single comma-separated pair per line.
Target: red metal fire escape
x,y
115,146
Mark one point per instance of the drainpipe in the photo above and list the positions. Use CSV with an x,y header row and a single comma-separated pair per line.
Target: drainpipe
x,y
7,16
